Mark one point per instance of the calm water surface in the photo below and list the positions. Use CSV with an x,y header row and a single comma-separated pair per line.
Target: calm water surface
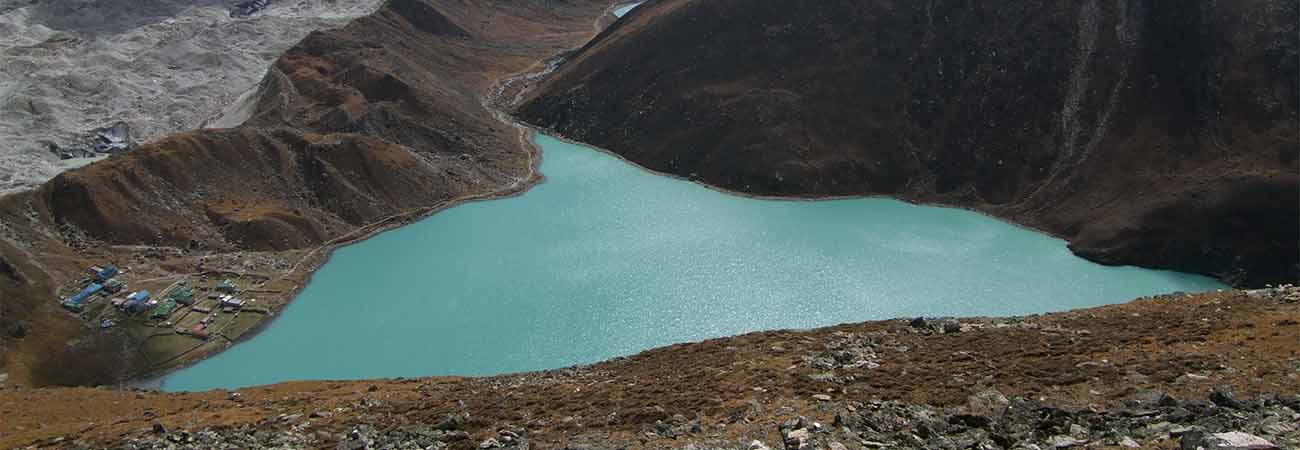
x,y
605,259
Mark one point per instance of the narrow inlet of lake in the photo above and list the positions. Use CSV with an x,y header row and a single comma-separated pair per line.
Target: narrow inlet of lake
x,y
606,259
623,10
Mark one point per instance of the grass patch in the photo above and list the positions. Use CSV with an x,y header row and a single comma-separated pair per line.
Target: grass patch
x,y
240,325
161,348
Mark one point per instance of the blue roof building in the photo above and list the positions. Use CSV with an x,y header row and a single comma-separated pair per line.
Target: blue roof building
x,y
138,301
76,302
140,306
138,296
107,273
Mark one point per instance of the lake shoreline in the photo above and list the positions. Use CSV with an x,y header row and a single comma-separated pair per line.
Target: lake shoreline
x,y
527,134
463,239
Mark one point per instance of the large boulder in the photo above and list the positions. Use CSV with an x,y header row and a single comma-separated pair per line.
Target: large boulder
x,y
1234,440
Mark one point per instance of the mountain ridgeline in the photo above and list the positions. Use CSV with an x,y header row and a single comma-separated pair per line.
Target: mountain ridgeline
x,y
1147,132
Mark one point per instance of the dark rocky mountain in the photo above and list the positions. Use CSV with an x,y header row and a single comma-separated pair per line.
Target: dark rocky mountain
x,y
1146,132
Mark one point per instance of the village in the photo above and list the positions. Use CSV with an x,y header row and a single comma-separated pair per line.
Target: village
x,y
173,316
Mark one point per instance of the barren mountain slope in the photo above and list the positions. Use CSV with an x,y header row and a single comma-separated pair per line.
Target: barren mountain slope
x,y
353,131
1149,132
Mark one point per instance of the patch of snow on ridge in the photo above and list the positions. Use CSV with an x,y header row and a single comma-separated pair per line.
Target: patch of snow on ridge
x,y
68,67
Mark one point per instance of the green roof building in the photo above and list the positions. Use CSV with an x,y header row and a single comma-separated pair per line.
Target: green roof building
x,y
164,310
183,295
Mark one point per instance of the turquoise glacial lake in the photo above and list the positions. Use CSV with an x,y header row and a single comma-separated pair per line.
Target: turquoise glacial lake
x,y
605,259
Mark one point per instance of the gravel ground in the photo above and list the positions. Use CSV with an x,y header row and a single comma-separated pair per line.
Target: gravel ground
x,y
988,421
68,67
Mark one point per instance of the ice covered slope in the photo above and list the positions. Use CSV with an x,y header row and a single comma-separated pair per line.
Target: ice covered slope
x,y
71,66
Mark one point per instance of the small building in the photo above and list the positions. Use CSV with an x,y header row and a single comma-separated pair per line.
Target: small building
x,y
227,286
164,310
183,295
229,301
105,273
142,306
138,302
114,286
78,301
